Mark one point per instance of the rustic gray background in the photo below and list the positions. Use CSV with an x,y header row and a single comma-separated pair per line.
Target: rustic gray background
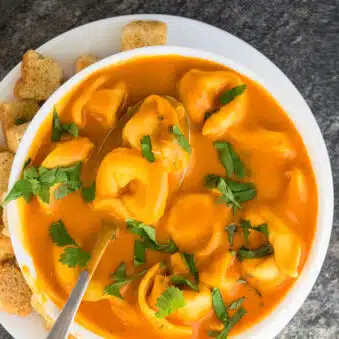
x,y
301,37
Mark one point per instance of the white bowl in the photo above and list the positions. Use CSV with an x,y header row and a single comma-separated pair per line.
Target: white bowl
x,y
298,111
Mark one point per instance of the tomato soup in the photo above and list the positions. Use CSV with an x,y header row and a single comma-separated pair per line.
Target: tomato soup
x,y
210,182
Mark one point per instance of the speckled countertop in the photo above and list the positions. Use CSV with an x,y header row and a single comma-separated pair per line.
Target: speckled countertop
x,y
301,37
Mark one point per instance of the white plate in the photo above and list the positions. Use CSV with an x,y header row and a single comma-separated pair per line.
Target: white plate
x,y
102,38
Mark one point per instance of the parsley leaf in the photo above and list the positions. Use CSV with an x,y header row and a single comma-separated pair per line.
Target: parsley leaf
x,y
261,252
88,193
229,159
169,301
231,94
189,261
147,233
73,256
236,303
218,305
180,138
139,253
231,229
232,192
120,280
246,226
179,280
59,234
221,309
146,148
58,128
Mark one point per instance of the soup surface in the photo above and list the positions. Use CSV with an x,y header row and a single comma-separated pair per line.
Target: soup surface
x,y
217,217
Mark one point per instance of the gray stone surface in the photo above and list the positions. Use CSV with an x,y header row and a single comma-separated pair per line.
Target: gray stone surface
x,y
301,37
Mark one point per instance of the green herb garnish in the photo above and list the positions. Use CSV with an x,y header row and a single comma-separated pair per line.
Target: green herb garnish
x,y
59,234
189,261
146,148
231,94
231,229
261,252
221,312
179,280
229,159
139,253
120,280
88,193
147,233
232,192
72,256
38,181
58,128
246,226
180,138
169,301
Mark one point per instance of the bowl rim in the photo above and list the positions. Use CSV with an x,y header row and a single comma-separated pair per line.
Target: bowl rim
x,y
298,112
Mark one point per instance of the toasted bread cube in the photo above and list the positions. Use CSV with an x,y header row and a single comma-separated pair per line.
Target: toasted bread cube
x,y
138,34
84,61
40,77
6,159
11,113
14,136
6,249
15,295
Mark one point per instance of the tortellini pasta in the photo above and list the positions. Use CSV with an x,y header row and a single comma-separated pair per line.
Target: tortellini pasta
x,y
103,104
154,116
200,91
128,186
271,271
67,153
195,222
197,304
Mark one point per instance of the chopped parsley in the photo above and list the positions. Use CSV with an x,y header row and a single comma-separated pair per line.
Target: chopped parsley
x,y
169,301
261,252
179,280
180,138
120,279
231,94
146,148
38,182
58,128
231,229
246,226
73,255
229,159
221,311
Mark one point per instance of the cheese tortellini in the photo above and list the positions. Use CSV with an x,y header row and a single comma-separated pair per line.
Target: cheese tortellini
x,y
153,118
269,272
197,304
200,90
67,153
101,103
195,232
128,186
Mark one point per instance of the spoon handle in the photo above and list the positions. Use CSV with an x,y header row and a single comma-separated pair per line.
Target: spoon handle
x,y
62,326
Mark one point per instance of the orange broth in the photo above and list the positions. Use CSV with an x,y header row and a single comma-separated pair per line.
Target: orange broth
x,y
160,75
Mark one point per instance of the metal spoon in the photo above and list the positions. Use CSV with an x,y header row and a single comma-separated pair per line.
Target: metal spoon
x,y
65,319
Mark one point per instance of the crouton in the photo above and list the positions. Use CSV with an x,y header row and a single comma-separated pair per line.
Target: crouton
x,y
4,227
84,61
6,249
6,159
40,77
138,34
15,295
14,136
12,113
